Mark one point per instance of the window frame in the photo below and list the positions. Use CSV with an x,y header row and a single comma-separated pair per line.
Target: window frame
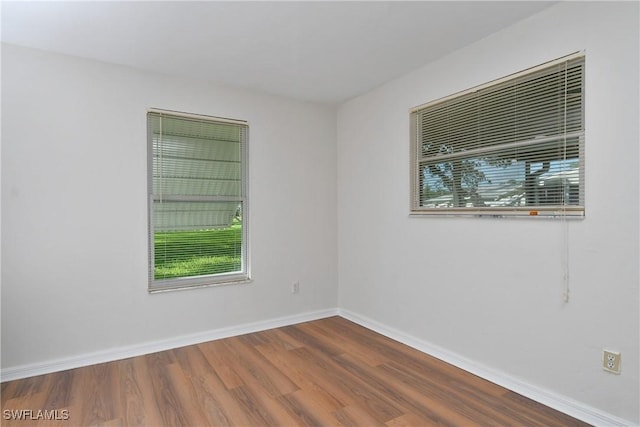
x,y
416,157
218,279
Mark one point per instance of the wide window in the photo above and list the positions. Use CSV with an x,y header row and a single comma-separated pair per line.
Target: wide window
x,y
510,147
197,200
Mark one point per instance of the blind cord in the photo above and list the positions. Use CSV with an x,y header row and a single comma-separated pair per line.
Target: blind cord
x,y
161,173
565,260
161,168
564,222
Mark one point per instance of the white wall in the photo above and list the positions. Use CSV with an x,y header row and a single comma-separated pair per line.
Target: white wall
x,y
74,220
490,290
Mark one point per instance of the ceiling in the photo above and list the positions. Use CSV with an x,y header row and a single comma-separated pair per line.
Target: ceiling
x,y
323,51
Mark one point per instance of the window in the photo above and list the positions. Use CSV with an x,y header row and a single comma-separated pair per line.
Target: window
x,y
197,200
510,147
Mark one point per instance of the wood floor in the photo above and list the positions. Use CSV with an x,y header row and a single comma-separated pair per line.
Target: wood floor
x,y
329,372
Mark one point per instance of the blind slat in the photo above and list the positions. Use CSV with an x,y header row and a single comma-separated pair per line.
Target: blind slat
x,y
518,142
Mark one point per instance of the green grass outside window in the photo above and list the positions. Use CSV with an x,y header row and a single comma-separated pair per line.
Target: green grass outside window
x,y
197,253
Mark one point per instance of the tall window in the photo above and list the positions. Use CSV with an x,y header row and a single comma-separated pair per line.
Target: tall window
x,y
197,200
510,147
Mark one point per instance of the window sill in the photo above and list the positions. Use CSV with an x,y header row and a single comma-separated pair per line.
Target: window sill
x,y
573,213
184,287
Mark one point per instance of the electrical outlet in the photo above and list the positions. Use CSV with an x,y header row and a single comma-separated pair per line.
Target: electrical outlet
x,y
611,361
295,287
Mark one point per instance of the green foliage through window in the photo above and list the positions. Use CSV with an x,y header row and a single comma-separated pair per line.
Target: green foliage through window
x,y
213,252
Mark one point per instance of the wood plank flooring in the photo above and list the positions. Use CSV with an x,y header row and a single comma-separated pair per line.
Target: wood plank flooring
x,y
329,372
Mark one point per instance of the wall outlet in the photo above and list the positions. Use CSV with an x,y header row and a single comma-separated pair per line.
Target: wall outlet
x,y
295,287
611,361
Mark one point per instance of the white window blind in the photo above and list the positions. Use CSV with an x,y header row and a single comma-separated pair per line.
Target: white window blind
x,y
510,147
197,200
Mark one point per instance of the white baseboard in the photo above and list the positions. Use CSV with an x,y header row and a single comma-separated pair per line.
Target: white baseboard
x,y
553,400
119,353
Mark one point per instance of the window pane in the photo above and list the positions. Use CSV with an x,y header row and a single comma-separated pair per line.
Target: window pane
x,y
539,175
514,146
196,165
188,253
197,185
